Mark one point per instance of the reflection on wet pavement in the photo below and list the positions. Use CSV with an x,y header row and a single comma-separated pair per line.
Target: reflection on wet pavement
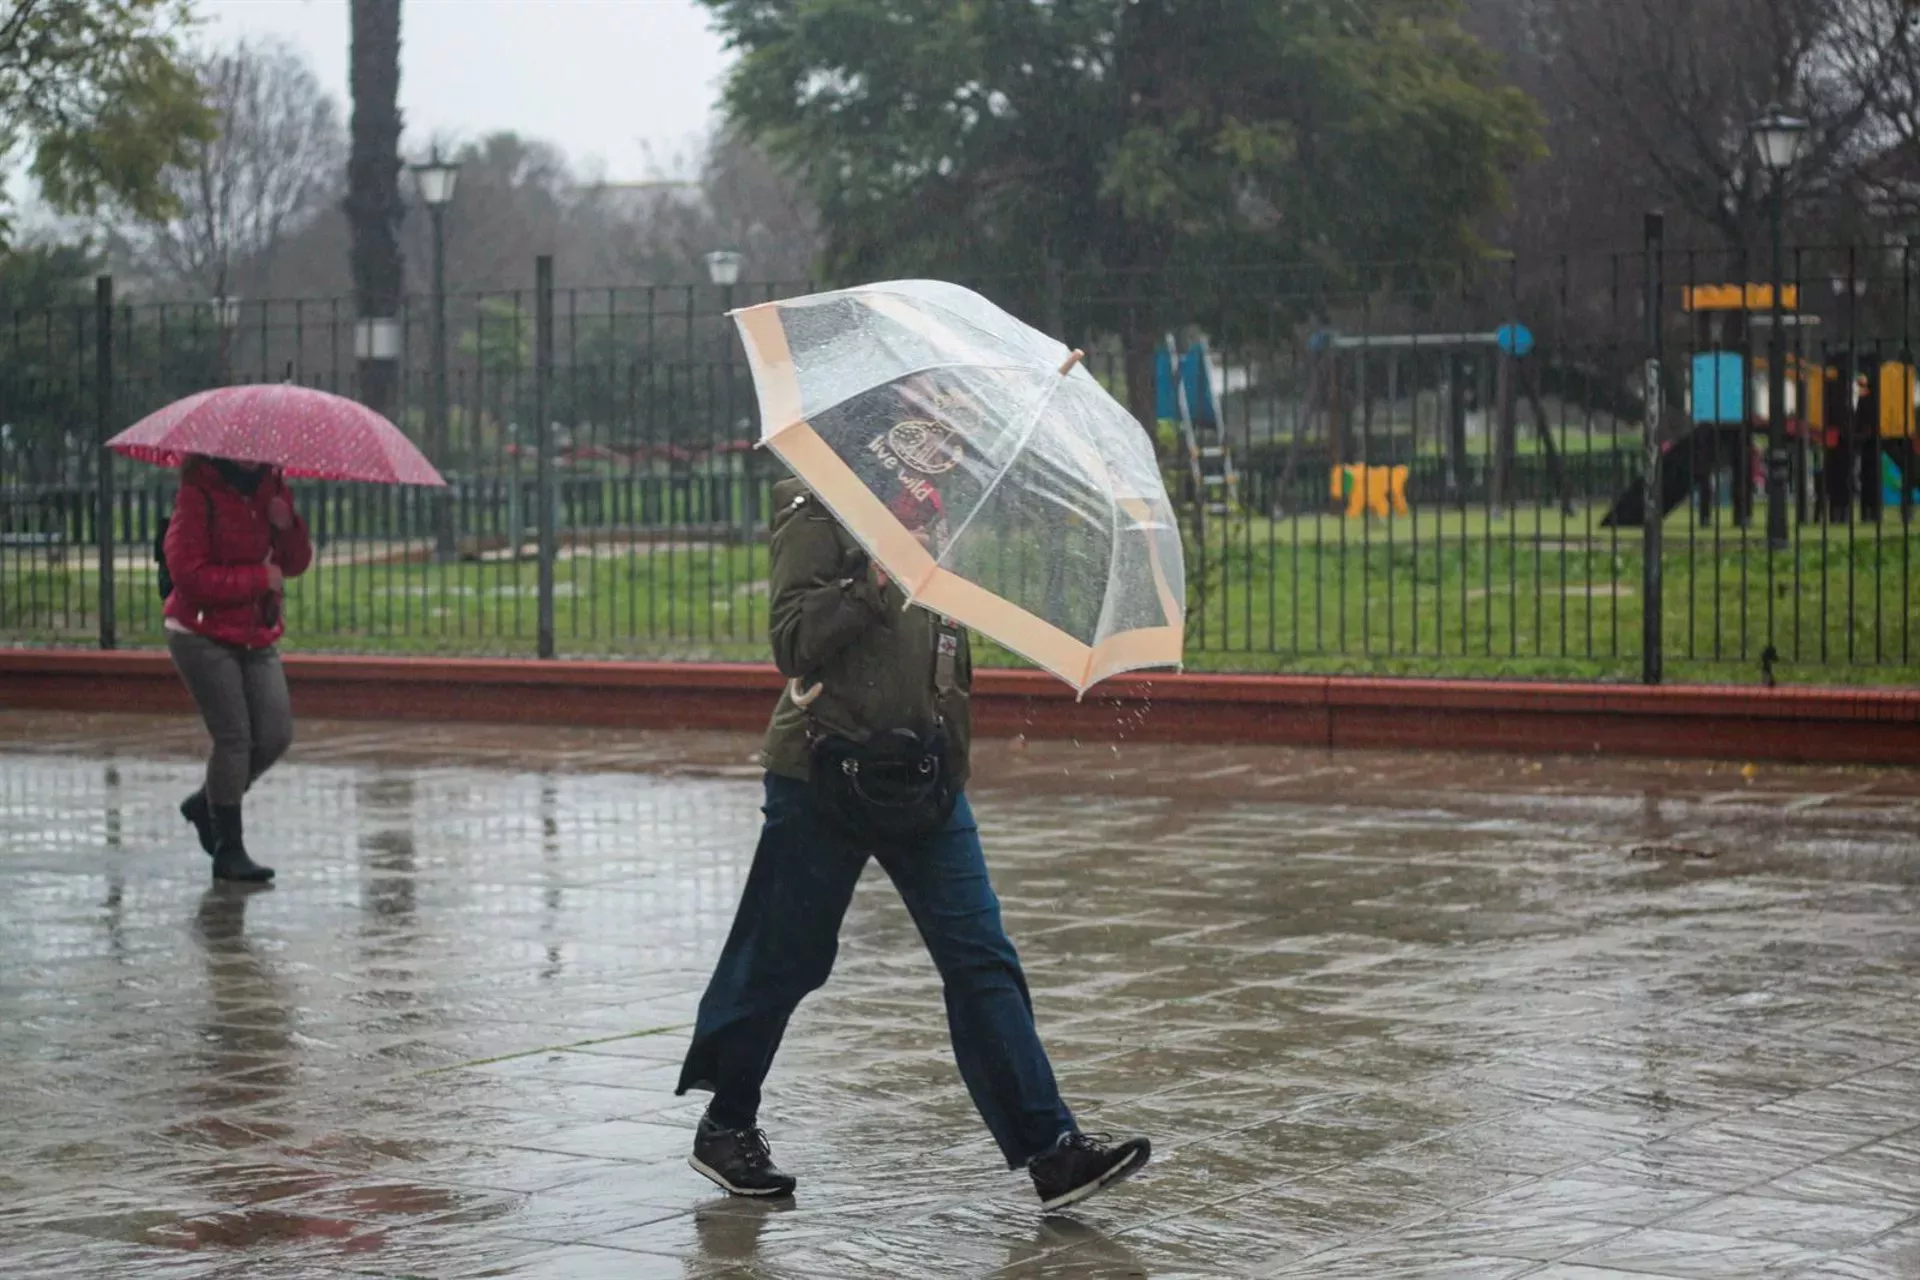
x,y
1383,1016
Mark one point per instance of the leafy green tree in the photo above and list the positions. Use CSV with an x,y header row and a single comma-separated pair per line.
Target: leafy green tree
x,y
500,342
1164,152
99,94
48,340
45,328
276,165
41,276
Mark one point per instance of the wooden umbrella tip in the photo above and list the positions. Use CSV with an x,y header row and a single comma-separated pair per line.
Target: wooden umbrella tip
x,y
1072,360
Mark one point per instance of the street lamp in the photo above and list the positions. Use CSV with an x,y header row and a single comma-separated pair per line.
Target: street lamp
x,y
436,179
723,267
1779,138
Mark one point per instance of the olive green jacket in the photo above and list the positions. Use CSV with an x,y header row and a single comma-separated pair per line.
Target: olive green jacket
x,y
833,625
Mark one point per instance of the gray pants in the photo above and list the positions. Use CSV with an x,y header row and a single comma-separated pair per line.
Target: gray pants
x,y
242,695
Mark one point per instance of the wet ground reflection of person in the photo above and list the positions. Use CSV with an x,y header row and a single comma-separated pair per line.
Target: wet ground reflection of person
x,y
729,1230
246,1036
1072,1247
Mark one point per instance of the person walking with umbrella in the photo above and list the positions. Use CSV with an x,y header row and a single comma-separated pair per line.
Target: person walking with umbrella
x,y
867,756
941,452
233,541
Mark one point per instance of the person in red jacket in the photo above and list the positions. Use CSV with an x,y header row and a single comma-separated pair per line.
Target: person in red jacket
x,y
232,543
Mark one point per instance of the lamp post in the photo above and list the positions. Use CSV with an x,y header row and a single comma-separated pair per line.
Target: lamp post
x,y
436,179
226,314
723,269
1779,138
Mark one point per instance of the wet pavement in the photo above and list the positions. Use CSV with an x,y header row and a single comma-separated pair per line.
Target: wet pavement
x,y
1382,1015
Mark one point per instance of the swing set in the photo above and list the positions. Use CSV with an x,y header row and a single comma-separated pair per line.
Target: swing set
x,y
1338,385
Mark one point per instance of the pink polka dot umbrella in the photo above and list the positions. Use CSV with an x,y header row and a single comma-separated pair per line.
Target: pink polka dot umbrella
x,y
302,431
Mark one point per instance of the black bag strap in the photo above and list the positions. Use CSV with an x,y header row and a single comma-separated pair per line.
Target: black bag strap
x,y
160,547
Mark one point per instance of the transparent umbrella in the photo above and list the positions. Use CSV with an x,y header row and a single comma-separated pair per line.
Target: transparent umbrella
x,y
981,465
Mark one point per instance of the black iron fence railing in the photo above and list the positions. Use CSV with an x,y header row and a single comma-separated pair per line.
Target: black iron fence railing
x,y
1376,474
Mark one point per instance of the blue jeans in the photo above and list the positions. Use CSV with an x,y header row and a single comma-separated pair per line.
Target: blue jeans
x,y
786,933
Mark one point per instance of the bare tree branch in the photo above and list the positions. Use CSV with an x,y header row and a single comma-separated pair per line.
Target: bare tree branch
x,y
273,167
1664,93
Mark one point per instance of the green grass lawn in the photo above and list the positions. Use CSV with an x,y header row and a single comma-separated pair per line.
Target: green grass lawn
x,y
1541,594
1530,594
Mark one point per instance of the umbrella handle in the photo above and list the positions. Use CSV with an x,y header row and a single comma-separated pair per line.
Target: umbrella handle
x,y
804,698
1072,360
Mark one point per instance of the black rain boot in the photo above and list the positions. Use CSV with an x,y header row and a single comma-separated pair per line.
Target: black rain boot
x,y
230,860
195,810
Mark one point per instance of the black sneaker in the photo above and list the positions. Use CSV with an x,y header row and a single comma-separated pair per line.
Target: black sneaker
x,y
1083,1164
738,1160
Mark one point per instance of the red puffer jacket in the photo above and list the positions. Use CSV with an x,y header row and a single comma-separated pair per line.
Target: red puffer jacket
x,y
217,547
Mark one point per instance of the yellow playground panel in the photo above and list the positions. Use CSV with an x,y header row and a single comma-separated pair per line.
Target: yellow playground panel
x,y
1896,401
1806,385
1365,489
1722,314
1731,297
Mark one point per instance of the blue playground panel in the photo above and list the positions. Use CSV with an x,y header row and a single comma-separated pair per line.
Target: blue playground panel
x,y
1720,388
1199,386
1515,339
1890,481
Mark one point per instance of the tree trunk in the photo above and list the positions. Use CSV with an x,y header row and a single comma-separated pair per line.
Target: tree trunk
x,y
1138,348
373,184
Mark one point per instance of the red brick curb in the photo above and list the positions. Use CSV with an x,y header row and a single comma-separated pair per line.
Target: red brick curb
x,y
1834,726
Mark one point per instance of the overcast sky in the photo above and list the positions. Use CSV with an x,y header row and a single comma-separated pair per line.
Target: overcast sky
x,y
606,80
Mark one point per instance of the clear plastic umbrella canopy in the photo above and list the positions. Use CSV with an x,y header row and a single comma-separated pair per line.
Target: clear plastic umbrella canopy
x,y
981,465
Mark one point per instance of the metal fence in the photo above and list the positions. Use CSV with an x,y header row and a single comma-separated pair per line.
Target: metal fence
x,y
1380,473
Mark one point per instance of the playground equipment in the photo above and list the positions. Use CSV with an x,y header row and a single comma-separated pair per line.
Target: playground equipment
x,y
1187,395
1727,403
1836,415
1514,373
1899,405
1380,491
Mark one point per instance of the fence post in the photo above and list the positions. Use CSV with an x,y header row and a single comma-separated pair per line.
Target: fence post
x,y
103,462
1651,514
543,436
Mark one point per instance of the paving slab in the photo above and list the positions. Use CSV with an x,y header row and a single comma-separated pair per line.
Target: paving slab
x,y
1383,1015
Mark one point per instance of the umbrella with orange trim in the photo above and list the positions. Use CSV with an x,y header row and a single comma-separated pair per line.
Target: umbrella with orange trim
x,y
982,467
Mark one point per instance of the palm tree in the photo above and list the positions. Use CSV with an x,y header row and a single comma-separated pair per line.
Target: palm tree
x,y
373,202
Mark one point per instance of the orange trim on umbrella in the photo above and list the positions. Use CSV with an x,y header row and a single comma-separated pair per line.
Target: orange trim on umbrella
x,y
996,616
774,377
788,434
1132,650
1169,603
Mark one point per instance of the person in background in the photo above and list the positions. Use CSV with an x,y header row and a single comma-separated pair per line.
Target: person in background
x,y
231,544
883,689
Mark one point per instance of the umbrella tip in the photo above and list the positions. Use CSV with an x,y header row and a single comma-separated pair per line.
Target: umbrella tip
x,y
1072,360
